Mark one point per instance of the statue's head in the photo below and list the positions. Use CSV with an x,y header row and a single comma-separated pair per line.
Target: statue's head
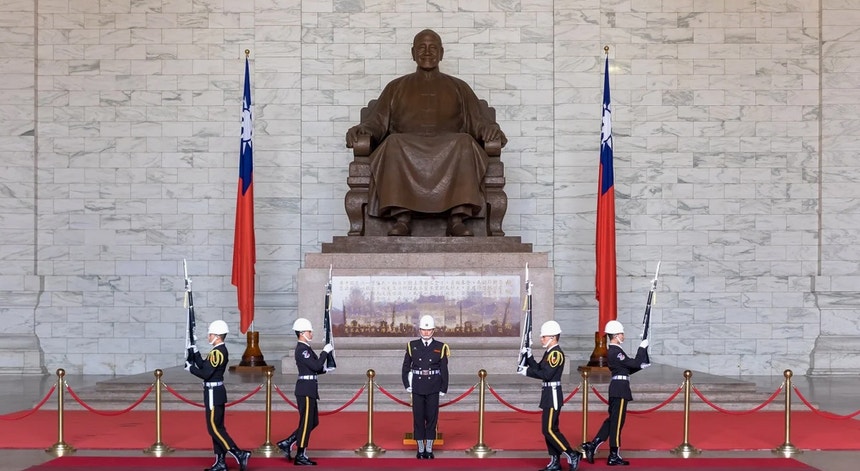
x,y
427,49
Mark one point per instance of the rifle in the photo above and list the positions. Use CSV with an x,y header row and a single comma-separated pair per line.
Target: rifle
x,y
191,321
330,362
527,325
646,320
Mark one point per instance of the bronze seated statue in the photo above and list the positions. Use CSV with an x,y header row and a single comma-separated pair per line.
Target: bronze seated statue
x,y
426,157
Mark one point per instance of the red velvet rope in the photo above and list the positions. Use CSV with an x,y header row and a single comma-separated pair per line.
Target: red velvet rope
x,y
732,412
458,398
523,411
20,415
197,404
335,411
285,398
644,411
111,413
509,405
825,414
397,400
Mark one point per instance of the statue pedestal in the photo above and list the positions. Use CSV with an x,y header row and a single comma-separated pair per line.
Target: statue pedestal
x,y
426,257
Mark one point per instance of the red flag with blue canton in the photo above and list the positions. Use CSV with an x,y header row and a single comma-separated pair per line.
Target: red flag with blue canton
x,y
244,244
606,291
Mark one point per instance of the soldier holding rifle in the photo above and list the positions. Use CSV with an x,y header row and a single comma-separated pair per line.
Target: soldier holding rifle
x,y
621,366
549,370
309,366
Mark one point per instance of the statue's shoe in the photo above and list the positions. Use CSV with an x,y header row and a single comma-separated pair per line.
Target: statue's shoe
x,y
400,229
458,229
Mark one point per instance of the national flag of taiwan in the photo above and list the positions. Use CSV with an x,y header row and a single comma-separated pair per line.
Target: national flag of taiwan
x,y
606,291
244,245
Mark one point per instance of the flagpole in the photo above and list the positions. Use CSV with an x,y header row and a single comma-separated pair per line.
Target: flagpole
x,y
605,270
244,246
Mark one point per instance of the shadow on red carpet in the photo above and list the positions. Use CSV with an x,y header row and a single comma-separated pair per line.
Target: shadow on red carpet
x,y
73,463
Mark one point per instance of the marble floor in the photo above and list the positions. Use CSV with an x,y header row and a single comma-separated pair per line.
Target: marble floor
x,y
834,394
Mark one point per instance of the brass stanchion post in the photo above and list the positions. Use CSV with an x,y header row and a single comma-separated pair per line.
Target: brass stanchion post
x,y
584,375
158,448
787,449
685,449
370,449
267,449
60,448
480,449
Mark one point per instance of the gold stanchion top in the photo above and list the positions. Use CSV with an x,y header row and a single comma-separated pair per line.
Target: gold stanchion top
x,y
788,373
371,373
584,374
270,372
688,374
61,372
159,373
482,373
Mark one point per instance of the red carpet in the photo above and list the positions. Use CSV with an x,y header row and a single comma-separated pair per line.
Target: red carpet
x,y
503,430
73,463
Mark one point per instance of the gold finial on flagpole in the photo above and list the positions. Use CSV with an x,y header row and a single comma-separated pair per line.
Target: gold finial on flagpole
x,y
248,53
605,50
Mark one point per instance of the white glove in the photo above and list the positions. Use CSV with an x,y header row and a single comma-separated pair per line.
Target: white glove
x,y
523,371
441,394
644,344
193,348
328,348
327,369
409,389
526,351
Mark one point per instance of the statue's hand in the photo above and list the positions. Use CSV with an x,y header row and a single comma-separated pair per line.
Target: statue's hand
x,y
494,133
353,133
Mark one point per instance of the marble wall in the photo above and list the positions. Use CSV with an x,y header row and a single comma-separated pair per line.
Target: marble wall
x,y
736,123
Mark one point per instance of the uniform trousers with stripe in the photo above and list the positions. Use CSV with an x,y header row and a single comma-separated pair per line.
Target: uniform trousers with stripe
x,y
556,443
611,428
309,418
221,440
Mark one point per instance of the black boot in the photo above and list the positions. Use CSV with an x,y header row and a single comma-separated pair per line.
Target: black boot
x,y
219,465
242,457
286,446
590,448
302,459
573,458
614,459
553,464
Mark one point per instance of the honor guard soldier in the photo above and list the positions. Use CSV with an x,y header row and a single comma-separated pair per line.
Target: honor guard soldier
x,y
425,375
621,366
549,370
309,366
211,371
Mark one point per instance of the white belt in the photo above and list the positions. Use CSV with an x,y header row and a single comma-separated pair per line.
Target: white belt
x,y
213,384
551,384
307,377
426,372
621,377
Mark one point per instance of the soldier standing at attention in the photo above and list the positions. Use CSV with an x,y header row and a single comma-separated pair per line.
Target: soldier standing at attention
x,y
307,392
425,375
550,370
621,366
211,371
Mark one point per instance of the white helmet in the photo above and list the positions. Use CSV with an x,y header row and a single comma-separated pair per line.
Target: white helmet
x,y
218,327
302,325
614,327
550,328
427,323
